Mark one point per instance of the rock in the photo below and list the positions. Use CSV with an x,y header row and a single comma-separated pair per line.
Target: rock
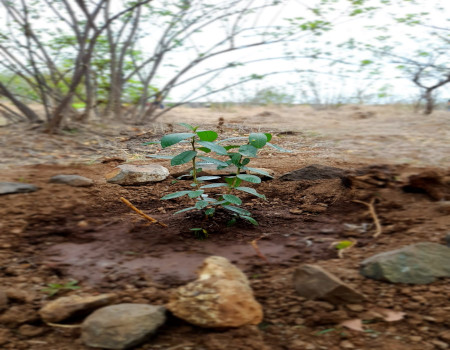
x,y
443,207
17,315
314,172
72,180
30,331
419,263
445,335
16,187
313,282
129,174
440,344
122,326
430,182
5,336
447,239
345,344
3,300
65,307
355,307
20,295
220,297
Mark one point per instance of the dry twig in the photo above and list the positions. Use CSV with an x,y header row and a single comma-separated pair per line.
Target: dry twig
x,y
254,244
374,215
140,212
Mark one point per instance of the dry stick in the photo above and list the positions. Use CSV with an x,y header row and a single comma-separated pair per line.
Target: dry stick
x,y
140,212
372,212
254,244
63,325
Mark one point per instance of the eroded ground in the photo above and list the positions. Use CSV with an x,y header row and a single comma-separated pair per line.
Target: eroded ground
x,y
61,233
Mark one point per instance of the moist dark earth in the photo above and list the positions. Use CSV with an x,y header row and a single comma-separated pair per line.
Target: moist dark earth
x,y
61,233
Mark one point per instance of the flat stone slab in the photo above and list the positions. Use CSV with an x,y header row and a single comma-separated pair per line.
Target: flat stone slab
x,y
314,282
65,307
419,263
131,174
72,180
16,187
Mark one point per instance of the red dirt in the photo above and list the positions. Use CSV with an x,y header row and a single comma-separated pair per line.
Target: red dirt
x,y
60,233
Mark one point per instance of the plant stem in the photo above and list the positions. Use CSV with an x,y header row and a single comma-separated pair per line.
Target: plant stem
x,y
194,165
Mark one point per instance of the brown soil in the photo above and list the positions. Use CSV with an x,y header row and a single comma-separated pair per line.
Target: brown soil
x,y
61,233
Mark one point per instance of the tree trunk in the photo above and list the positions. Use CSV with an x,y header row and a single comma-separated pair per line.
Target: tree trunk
x,y
27,112
429,101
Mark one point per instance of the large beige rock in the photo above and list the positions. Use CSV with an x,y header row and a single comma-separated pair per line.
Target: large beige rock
x,y
130,174
65,307
313,282
220,297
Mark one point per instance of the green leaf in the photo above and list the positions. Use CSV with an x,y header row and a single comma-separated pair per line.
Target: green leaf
x,y
281,149
251,191
159,157
245,161
172,139
237,210
175,195
232,199
214,147
210,211
344,244
248,150
250,219
187,126
185,209
201,204
258,171
235,159
269,136
151,143
204,149
214,161
207,135
208,178
231,147
183,157
257,139
233,181
214,185
193,194
249,178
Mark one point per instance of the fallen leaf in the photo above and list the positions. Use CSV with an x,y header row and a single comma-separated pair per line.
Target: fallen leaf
x,y
353,324
391,315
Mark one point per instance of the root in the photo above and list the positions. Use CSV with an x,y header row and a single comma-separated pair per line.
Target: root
x,y
374,215
254,244
141,213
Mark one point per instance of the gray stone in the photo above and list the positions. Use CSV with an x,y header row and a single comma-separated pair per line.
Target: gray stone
x,y
16,187
72,180
313,282
314,172
122,326
65,307
130,174
419,263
